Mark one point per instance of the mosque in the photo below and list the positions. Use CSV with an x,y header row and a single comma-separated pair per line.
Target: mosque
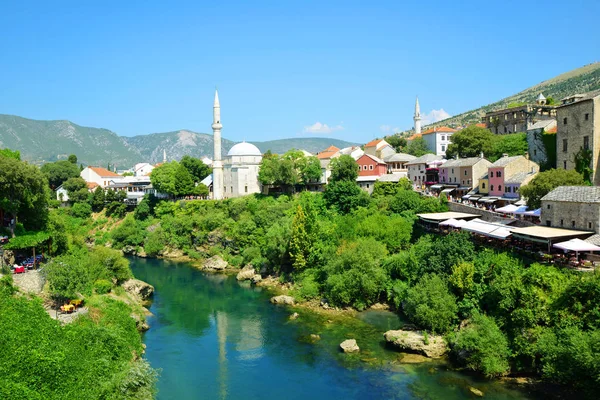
x,y
237,174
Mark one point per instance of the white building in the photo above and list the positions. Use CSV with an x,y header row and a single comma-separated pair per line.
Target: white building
x,y
417,168
438,139
240,170
100,176
142,169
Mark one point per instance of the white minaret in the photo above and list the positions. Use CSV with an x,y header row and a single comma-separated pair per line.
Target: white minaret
x,y
217,163
417,117
164,156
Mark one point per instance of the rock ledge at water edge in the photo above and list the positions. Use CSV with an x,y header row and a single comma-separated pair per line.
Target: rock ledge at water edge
x,y
289,300
414,341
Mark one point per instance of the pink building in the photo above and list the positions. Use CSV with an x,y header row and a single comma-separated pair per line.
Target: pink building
x,y
506,167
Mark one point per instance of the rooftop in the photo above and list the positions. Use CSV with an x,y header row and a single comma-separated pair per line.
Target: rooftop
x,y
425,159
575,194
398,157
542,124
395,177
103,172
546,232
446,215
463,162
519,177
376,159
440,129
374,143
504,161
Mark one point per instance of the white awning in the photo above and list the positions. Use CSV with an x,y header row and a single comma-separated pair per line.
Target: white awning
x,y
509,209
448,190
436,186
535,213
466,196
487,229
576,245
522,210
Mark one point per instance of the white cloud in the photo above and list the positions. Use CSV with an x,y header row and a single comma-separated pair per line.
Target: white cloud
x,y
320,128
434,116
389,129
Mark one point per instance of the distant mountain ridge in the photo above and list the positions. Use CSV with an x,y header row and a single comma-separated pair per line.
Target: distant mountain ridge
x,y
579,80
46,141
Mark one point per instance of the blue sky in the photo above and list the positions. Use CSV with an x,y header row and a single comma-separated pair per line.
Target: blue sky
x,y
342,69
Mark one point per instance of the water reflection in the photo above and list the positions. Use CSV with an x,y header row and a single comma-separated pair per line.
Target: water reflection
x,y
216,339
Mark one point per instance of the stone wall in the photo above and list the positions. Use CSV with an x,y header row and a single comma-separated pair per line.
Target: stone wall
x,y
583,216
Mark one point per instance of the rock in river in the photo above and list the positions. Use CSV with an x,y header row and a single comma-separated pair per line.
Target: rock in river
x,y
246,273
139,289
349,346
215,263
432,346
289,300
256,278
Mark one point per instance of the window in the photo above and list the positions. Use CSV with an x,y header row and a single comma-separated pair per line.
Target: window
x,y
565,146
452,170
232,189
246,189
465,172
589,223
483,185
572,224
515,190
505,130
443,148
499,188
514,127
535,152
515,116
463,182
492,188
468,181
454,179
507,189
443,137
587,117
498,174
505,117
564,164
548,207
371,167
367,185
547,223
224,189
564,120
561,222
586,142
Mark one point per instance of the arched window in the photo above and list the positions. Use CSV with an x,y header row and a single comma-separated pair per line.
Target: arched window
x,y
492,188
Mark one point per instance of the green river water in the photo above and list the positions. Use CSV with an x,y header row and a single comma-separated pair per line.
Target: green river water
x,y
215,338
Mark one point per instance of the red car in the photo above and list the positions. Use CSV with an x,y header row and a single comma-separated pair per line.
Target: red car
x,y
19,270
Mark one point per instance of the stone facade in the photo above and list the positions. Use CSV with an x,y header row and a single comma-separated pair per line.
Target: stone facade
x,y
578,126
572,207
517,119
535,145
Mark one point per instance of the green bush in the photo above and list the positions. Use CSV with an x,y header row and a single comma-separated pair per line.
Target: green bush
x,y
81,210
430,305
128,233
482,347
102,286
155,243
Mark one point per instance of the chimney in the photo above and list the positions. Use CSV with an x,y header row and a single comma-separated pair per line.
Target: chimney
x,y
505,155
481,155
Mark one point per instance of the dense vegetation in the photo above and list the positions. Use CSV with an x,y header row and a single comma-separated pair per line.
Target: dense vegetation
x,y
474,140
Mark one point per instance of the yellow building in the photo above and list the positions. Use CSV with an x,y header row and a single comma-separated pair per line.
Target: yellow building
x,y
484,185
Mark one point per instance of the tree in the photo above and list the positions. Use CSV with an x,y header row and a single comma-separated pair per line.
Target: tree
x,y
289,170
345,196
513,145
300,240
343,169
430,305
77,190
397,142
23,193
163,178
310,170
583,162
483,347
471,142
196,167
10,154
98,199
72,159
184,181
58,172
418,147
547,181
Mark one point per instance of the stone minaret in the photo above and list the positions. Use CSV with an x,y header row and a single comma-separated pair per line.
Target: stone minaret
x,y
217,163
417,117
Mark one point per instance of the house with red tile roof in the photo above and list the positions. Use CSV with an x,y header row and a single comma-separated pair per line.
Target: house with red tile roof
x,y
438,139
328,153
369,165
379,148
100,176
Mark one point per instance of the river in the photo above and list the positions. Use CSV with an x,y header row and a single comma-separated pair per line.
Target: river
x,y
215,338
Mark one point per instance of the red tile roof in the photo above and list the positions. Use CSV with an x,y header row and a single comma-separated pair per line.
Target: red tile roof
x,y
373,143
481,125
551,130
439,129
103,172
327,153
92,185
415,136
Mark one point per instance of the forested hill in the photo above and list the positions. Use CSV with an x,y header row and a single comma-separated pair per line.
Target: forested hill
x,y
46,141
580,80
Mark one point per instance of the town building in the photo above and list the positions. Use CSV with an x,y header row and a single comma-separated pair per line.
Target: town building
x,y
539,135
578,127
520,118
379,148
417,169
397,162
100,176
438,139
369,165
516,170
573,207
463,174
353,151
142,169
240,170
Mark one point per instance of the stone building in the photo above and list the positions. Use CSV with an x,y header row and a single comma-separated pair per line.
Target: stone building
x,y
572,207
520,118
379,148
506,169
417,168
464,172
578,127
536,138
240,170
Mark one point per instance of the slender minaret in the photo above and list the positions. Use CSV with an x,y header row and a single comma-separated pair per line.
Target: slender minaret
x,y
217,163
417,117
164,156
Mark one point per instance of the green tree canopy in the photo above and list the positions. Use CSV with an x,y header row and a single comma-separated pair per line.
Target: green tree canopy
x,y
397,142
10,154
77,190
418,147
196,167
471,142
58,172
343,168
514,145
72,159
547,181
345,196
289,170
431,305
23,193
174,179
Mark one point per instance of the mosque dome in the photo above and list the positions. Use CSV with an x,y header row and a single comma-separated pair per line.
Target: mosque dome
x,y
244,149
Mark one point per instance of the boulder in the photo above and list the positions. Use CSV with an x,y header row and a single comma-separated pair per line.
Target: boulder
x,y
246,273
349,346
139,289
314,337
432,346
379,306
8,257
476,392
255,279
288,300
215,263
294,316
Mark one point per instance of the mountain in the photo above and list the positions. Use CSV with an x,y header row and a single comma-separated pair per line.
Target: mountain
x,y
45,141
580,80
